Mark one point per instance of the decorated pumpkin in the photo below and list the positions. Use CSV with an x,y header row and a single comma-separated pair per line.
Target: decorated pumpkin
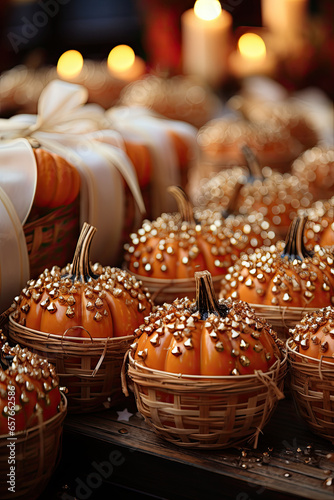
x,y
176,245
313,336
276,196
245,232
311,355
195,360
287,275
96,302
284,114
29,390
206,336
220,141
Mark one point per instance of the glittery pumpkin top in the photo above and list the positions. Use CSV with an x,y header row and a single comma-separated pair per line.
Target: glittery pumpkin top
x,y
314,334
277,196
170,247
265,277
176,339
54,302
32,383
285,114
222,138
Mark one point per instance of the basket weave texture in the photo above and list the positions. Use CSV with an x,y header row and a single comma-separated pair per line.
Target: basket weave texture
x,y
89,368
281,318
312,387
169,289
37,454
206,412
52,237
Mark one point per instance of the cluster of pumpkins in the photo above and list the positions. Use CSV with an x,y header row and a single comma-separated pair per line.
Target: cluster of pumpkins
x,y
246,236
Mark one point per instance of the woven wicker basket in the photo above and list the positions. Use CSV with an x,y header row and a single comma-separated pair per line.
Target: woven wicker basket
x,y
52,237
89,369
281,318
37,454
167,290
312,387
206,412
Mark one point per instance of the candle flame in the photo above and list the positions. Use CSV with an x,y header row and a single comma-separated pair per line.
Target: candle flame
x,y
207,9
252,46
121,58
70,64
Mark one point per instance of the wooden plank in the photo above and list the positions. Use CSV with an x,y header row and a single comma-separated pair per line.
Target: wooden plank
x,y
288,471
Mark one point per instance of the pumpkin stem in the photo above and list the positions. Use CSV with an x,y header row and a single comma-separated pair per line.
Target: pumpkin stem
x,y
184,205
80,268
253,164
206,300
232,206
294,242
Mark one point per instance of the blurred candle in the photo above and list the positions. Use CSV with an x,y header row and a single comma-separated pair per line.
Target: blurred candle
x,y
69,65
252,47
124,64
285,17
251,57
206,31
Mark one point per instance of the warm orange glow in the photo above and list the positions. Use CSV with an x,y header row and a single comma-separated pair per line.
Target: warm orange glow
x,y
121,58
70,64
252,46
207,9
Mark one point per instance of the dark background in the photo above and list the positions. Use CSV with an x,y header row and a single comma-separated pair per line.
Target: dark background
x,y
151,27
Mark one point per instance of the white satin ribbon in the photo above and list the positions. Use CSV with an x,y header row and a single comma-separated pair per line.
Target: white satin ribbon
x,y
154,131
14,262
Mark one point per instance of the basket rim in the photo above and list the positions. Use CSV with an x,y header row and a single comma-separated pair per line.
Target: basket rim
x,y
305,357
284,309
65,338
170,281
29,430
204,378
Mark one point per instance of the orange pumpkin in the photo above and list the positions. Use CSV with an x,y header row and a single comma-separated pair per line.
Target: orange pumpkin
x,y
174,246
276,196
289,275
28,386
220,141
314,335
206,336
99,303
58,182
140,156
286,115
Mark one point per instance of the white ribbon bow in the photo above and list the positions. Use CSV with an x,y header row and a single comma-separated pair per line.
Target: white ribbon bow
x,y
67,126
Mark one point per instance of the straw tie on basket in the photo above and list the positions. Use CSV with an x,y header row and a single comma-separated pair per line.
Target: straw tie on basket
x,y
320,365
101,359
274,394
270,385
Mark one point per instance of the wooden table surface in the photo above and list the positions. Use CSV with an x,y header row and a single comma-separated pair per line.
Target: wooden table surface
x,y
105,456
